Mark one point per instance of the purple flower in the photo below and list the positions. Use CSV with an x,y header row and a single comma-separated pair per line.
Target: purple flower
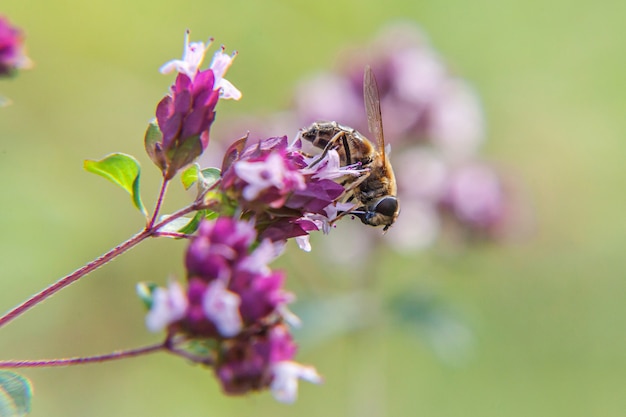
x,y
231,288
264,174
270,174
263,360
475,196
184,117
235,304
12,56
287,193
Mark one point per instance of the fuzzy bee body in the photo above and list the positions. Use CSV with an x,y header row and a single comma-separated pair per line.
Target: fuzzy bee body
x,y
374,193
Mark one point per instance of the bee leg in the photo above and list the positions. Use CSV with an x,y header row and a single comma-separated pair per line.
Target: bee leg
x,y
330,145
343,214
353,186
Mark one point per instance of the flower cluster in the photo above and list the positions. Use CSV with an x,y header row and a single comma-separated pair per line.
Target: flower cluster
x,y
184,117
288,194
12,55
236,301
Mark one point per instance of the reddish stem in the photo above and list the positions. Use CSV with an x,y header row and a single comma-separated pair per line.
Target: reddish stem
x,y
159,201
118,354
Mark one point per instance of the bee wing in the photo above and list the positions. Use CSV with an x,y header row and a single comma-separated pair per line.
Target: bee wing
x,y
372,108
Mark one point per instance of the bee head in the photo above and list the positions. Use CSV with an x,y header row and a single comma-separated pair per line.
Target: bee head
x,y
383,212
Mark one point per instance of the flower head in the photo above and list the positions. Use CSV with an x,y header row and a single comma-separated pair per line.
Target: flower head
x,y
235,304
287,193
263,360
184,117
12,55
231,288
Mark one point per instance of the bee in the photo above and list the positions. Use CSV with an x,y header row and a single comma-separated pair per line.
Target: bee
x,y
374,193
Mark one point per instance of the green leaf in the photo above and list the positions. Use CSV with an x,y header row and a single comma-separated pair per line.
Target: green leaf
x,y
175,225
186,225
190,176
122,170
192,225
152,142
145,291
15,394
210,177
205,178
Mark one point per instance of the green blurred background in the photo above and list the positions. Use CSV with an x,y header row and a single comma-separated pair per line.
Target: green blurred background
x,y
546,312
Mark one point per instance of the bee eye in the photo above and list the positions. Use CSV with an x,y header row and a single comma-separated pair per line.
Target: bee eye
x,y
387,206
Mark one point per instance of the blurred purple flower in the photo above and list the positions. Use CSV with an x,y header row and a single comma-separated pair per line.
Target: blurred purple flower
x,y
263,360
184,117
12,51
420,99
475,197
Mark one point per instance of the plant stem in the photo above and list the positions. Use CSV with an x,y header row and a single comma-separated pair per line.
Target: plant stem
x,y
159,201
118,354
91,266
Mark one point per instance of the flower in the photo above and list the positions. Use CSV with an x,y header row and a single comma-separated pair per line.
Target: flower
x,y
475,196
168,306
265,173
193,55
184,117
222,308
220,64
263,360
12,53
236,306
230,289
286,193
284,386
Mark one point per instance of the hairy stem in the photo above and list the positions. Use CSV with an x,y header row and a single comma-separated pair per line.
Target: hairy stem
x,y
118,354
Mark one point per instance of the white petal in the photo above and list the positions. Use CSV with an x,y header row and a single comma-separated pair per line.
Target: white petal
x,y
265,253
284,386
220,63
168,306
304,243
228,91
222,308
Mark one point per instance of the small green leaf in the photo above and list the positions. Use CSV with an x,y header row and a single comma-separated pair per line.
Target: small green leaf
x,y
205,178
201,348
186,225
192,225
145,291
122,170
152,142
210,176
15,394
190,176
175,225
